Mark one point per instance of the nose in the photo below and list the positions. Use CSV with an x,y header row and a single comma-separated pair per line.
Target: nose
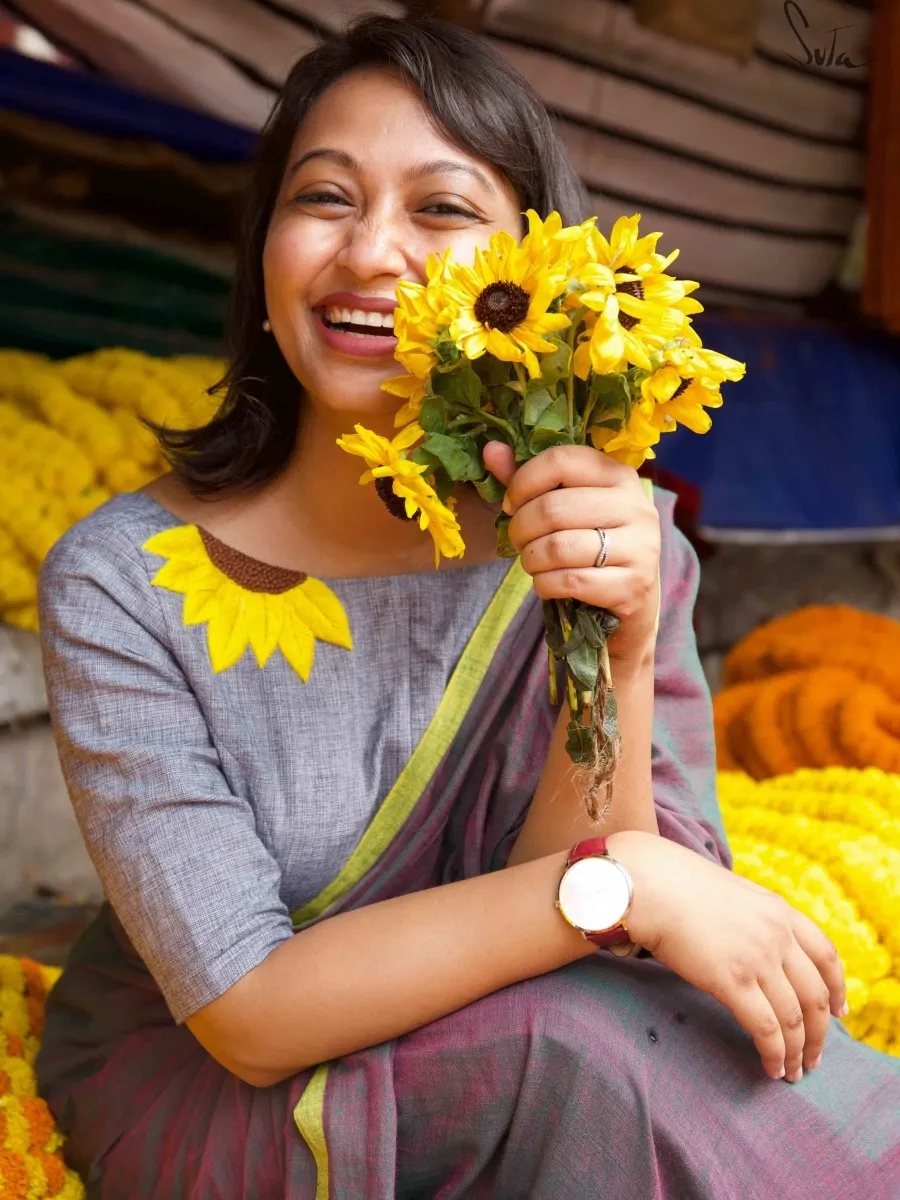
x,y
373,248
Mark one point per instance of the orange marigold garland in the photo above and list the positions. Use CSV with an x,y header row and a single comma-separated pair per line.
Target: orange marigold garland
x,y
31,1161
815,688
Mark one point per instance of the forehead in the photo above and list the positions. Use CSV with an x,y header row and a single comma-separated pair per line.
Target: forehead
x,y
378,118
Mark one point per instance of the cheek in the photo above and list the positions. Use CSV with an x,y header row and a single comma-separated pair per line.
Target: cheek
x,y
291,261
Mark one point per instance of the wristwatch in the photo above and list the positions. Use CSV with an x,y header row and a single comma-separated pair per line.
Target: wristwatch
x,y
595,896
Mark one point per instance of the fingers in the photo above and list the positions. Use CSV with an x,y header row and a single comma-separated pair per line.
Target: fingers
x,y
500,461
571,508
825,959
569,467
753,1010
787,1007
814,1001
578,548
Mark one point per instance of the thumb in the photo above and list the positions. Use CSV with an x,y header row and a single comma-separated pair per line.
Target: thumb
x,y
500,461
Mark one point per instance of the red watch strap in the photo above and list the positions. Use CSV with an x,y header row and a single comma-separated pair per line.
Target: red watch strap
x,y
589,848
592,848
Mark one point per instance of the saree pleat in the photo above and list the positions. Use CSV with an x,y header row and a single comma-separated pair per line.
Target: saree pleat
x,y
607,1078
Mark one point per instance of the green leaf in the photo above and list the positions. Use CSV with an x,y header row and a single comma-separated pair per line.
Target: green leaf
x,y
442,484
505,548
458,456
611,396
421,456
433,417
507,402
448,353
490,489
556,366
537,401
493,371
461,387
583,663
580,744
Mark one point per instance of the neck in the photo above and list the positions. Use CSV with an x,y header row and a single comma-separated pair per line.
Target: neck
x,y
344,527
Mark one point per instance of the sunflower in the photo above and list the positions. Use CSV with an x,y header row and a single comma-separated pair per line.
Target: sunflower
x,y
639,306
401,487
501,303
686,383
561,247
244,602
633,443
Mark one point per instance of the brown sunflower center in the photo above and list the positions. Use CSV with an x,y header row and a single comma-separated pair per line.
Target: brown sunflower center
x,y
681,389
633,288
502,306
249,573
395,504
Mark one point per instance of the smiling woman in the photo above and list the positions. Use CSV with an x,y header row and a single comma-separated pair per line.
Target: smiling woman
x,y
326,788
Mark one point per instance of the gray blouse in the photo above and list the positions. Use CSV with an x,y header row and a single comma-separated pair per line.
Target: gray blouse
x,y
215,804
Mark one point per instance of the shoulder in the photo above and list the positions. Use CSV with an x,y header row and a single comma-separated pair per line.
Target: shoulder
x,y
99,564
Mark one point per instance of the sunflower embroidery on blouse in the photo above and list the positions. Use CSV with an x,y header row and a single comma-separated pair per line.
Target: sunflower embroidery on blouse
x,y
244,602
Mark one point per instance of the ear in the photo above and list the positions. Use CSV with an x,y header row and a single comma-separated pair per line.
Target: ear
x,y
500,461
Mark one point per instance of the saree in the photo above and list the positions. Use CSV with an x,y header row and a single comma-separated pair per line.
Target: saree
x,y
610,1077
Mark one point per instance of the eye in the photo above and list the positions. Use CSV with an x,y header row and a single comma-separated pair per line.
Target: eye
x,y
321,198
444,209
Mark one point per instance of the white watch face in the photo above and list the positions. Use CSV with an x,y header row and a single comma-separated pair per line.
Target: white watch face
x,y
595,894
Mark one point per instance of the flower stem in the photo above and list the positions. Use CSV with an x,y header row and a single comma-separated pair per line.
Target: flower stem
x,y
570,379
571,694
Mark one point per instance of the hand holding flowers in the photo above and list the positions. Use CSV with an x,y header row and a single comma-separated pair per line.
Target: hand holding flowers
x,y
557,346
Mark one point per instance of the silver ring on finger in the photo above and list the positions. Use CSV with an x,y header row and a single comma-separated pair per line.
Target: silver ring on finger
x,y
603,556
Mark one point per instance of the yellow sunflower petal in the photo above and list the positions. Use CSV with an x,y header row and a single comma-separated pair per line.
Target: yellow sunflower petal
x,y
297,644
183,540
182,574
318,607
265,621
226,632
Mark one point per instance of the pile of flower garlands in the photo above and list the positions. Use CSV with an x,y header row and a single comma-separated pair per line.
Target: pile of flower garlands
x,y
829,842
31,1162
816,688
73,437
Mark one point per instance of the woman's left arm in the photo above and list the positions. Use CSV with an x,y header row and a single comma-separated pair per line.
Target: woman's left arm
x,y
665,781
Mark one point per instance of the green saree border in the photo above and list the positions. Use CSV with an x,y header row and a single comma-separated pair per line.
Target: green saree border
x,y
435,741
309,1117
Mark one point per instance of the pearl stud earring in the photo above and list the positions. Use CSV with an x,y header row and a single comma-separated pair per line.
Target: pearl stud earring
x,y
267,325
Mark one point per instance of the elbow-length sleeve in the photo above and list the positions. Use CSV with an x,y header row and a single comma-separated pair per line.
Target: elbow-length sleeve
x,y
684,752
178,853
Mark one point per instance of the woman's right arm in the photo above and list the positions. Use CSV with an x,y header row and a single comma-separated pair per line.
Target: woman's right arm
x,y
377,972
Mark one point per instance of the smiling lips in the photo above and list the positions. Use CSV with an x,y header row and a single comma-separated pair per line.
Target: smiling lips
x,y
359,326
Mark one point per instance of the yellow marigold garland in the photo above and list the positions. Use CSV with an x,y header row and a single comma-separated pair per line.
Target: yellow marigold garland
x,y
829,842
75,437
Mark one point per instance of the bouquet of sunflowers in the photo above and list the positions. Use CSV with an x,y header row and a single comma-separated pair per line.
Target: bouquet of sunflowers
x,y
566,337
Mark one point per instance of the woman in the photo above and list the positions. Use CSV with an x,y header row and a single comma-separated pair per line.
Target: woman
x,y
345,848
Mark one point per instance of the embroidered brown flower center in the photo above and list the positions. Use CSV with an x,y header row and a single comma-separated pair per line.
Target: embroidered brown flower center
x,y
633,288
502,306
395,504
249,573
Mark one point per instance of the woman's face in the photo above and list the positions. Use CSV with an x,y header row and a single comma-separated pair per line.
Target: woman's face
x,y
371,189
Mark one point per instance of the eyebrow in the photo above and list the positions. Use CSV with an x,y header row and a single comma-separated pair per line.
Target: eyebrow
x,y
438,166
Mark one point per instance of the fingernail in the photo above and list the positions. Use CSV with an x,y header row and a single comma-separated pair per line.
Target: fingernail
x,y
796,1077
506,506
816,1062
780,1074
845,1011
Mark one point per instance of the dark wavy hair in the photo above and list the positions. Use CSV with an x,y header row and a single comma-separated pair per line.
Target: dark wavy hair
x,y
477,100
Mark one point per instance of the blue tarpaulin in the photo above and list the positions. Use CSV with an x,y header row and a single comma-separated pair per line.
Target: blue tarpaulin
x,y
807,446
99,106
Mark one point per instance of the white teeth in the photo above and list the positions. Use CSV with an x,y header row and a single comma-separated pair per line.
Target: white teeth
x,y
356,316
